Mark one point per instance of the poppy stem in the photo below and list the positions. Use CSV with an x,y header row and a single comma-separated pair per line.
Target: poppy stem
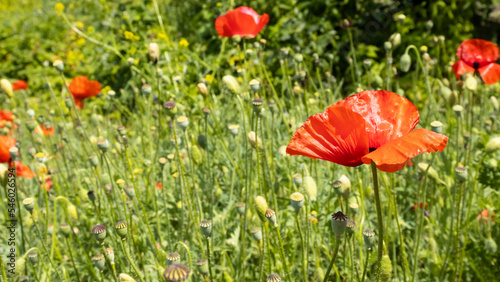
x,y
379,219
332,262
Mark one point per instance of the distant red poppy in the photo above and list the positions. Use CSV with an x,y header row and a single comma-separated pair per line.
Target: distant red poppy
x,y
6,116
6,142
369,126
478,55
158,185
416,206
484,215
81,88
46,131
242,21
23,171
19,85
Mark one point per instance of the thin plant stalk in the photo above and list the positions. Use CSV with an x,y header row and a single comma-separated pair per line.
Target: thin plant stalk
x,y
332,262
379,219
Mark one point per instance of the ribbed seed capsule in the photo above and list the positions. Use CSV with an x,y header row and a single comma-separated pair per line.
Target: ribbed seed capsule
x,y
206,228
99,261
461,174
240,208
121,229
99,232
111,255
256,233
297,179
173,258
437,126
369,238
29,204
33,257
65,229
273,277
271,216
257,105
297,201
202,266
339,223
351,224
176,272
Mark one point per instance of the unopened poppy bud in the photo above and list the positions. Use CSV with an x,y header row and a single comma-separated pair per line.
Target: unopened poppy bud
x,y
202,266
367,63
233,129
354,208
298,58
99,261
99,232
256,233
429,24
72,213
121,229
337,187
129,191
490,245
297,201
65,229
385,268
173,258
405,62
170,107
285,51
461,174
457,109
257,105
493,145
271,216
93,160
494,103
33,257
231,84
121,130
58,65
206,228
202,141
273,277
346,186
202,89
339,223
6,87
240,208
182,122
13,152
254,85
253,140
388,46
401,18
395,39
437,126
369,238
29,204
103,144
261,207
310,187
154,52
111,255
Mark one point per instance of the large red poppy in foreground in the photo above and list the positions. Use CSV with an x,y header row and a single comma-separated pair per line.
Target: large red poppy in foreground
x,y
242,21
478,55
369,126
81,88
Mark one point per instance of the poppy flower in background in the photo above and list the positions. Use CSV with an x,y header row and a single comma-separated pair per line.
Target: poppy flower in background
x,y
6,116
416,206
19,85
46,131
23,171
6,142
81,88
159,186
242,21
478,55
369,126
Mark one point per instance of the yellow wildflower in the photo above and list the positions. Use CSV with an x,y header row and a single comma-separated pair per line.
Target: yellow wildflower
x,y
183,43
59,7
79,25
209,78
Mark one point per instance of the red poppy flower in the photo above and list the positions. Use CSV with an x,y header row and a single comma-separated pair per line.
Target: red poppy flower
x,y
242,21
46,131
19,85
6,142
23,171
416,206
6,116
478,55
81,88
369,126
158,186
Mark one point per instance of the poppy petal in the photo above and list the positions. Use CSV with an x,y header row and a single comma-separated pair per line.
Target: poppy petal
x,y
337,135
461,67
80,87
6,142
19,85
222,27
478,51
387,115
262,23
490,73
392,156
24,171
79,103
241,24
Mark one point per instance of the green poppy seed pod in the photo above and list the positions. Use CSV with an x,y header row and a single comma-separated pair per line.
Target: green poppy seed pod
x,y
487,125
13,152
30,124
72,213
400,18
346,186
395,39
298,58
297,201
388,46
33,257
297,179
256,233
233,129
176,272
129,191
437,126
173,258
337,186
154,52
458,109
385,269
99,232
253,140
310,187
285,51
121,130
273,277
369,238
146,89
240,208
367,63
111,255
58,65
93,160
31,150
206,228
461,174
467,137
490,245
493,145
351,224
339,223
91,196
271,216
125,278
254,85
202,89
237,38
196,155
494,103
202,266
103,144
261,207
429,24
257,105
121,229
99,261
248,54
205,111
231,84
65,229
446,93
405,62
170,107
29,204
182,122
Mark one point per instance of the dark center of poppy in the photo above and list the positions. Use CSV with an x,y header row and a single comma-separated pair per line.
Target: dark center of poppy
x,y
372,149
475,65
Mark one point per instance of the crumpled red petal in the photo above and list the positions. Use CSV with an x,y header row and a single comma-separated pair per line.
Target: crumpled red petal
x,y
19,85
81,87
490,73
6,142
387,115
337,135
393,156
24,171
477,50
461,67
